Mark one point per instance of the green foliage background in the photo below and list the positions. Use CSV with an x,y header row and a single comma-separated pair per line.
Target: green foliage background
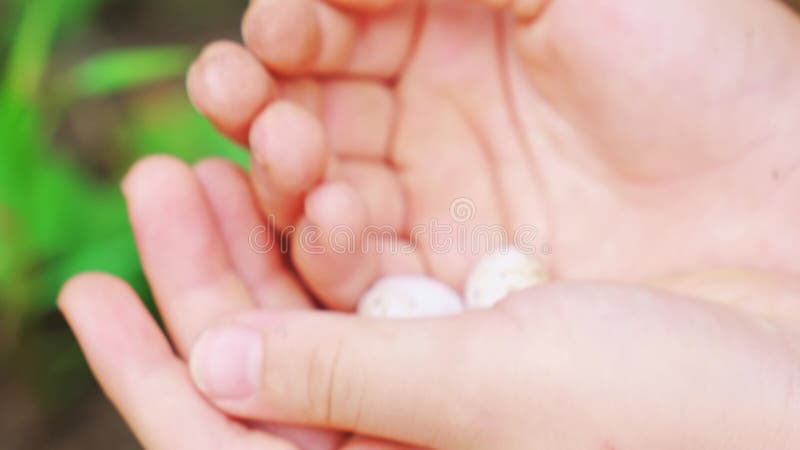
x,y
74,115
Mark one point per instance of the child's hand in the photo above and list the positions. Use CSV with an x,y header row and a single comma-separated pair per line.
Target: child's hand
x,y
194,229
641,139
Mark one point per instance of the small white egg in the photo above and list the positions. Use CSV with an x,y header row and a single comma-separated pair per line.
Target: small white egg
x,y
498,275
408,297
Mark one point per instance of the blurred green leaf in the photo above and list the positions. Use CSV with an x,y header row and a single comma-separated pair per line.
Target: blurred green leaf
x,y
19,142
119,70
18,157
30,53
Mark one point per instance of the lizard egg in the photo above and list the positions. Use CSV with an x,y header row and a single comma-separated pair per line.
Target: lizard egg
x,y
410,296
498,275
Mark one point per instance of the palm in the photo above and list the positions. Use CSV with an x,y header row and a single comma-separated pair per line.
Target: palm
x,y
591,123
583,125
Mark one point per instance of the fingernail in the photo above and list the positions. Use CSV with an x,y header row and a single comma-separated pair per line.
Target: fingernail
x,y
226,362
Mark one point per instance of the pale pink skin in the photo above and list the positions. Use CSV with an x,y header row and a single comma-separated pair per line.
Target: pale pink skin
x,y
619,129
646,139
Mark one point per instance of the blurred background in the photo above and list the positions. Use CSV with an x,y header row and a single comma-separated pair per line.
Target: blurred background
x,y
86,88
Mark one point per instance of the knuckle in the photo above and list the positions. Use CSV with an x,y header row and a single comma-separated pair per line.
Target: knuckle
x,y
333,386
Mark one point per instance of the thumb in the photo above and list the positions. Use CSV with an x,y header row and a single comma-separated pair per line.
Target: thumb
x,y
395,379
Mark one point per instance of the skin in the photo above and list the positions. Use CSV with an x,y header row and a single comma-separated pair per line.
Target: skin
x,y
601,113
560,115
444,396
584,366
193,227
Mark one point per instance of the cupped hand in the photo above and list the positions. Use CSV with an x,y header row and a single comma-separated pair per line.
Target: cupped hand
x,y
641,139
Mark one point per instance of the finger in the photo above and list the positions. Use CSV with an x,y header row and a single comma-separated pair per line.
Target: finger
x,y
182,251
136,368
380,191
365,5
358,118
305,92
338,36
254,249
776,297
304,437
289,159
329,251
367,443
306,37
228,85
378,48
342,371
452,195
262,268
345,243
522,9
285,36
357,115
